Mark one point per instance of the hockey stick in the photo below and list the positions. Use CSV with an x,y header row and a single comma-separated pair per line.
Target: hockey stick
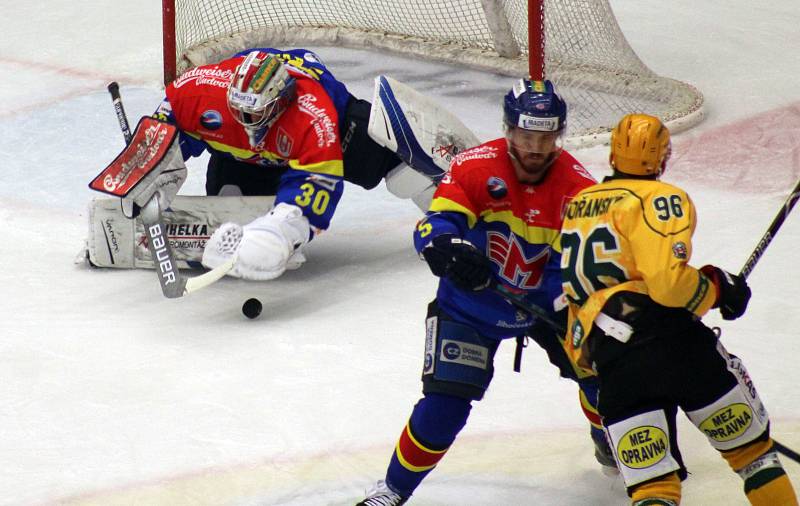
x,y
750,264
783,213
173,283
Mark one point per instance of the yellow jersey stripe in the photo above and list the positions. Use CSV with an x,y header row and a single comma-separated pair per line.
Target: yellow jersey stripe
x,y
327,167
531,234
440,204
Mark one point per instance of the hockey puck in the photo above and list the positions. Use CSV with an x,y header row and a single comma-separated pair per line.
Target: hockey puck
x,y
251,308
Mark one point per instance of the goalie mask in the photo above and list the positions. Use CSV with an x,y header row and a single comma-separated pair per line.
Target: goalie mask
x,y
535,119
260,91
640,146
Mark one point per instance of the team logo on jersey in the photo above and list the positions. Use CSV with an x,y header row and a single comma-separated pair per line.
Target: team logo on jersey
x,y
515,267
211,119
283,143
680,251
497,187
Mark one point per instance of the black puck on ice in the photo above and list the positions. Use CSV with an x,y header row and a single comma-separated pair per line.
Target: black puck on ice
x,y
251,308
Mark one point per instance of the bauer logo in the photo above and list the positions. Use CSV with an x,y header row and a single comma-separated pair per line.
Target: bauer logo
x,y
728,423
464,354
497,187
211,119
642,447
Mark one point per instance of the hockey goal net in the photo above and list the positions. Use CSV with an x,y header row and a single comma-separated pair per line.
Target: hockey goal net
x,y
576,43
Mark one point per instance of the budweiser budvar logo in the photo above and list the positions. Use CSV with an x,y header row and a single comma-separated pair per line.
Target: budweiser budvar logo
x,y
213,76
323,125
476,153
146,151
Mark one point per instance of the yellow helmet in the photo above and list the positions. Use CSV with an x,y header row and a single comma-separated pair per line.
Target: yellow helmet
x,y
640,145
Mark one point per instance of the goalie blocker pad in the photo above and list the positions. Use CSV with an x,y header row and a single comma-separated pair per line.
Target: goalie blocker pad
x,y
119,242
152,142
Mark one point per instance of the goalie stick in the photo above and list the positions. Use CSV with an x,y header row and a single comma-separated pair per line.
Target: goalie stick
x,y
122,118
173,283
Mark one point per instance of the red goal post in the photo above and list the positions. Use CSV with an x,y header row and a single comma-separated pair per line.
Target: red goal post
x,y
578,45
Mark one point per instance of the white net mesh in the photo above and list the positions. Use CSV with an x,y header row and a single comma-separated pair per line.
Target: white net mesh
x,y
587,56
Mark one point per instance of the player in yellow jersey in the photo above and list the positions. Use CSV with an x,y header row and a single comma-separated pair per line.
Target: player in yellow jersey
x,y
635,305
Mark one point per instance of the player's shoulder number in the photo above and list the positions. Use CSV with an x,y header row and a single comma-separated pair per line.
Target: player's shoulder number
x,y
669,206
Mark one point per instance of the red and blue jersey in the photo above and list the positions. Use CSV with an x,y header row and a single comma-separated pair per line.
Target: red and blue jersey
x,y
516,225
304,141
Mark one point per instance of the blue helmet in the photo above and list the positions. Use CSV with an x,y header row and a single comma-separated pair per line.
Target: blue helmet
x,y
534,105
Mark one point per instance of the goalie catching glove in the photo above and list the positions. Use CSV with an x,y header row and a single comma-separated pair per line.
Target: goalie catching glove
x,y
459,261
733,294
264,248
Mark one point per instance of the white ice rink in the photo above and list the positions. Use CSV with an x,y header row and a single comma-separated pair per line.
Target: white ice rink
x,y
111,394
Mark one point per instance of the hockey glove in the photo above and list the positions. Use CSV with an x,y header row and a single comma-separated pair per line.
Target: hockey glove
x,y
459,261
732,292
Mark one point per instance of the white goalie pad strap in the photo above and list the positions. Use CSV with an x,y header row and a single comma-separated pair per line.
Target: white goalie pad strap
x,y
731,421
642,447
118,242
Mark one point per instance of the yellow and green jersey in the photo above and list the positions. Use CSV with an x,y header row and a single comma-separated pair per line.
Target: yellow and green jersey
x,y
628,235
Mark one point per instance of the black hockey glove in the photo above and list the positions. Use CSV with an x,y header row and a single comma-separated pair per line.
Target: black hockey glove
x,y
732,292
459,261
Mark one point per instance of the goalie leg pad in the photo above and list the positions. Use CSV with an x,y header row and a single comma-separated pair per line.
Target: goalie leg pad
x,y
118,242
406,183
